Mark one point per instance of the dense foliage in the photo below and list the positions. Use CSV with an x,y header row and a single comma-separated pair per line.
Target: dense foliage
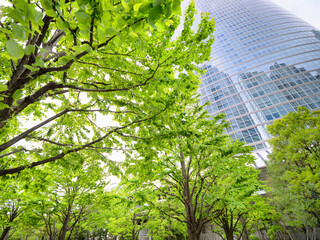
x,y
69,67
294,166
201,176
64,62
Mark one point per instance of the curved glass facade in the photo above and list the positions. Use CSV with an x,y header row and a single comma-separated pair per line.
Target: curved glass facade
x,y
265,63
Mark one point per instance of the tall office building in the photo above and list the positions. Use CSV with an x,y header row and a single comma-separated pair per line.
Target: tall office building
x,y
265,63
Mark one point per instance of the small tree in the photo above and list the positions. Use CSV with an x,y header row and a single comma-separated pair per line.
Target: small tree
x,y
294,166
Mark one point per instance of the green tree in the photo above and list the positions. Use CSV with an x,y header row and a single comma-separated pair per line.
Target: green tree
x,y
65,61
294,166
17,200
55,202
194,167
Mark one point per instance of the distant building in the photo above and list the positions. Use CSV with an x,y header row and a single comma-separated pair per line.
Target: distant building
x,y
265,63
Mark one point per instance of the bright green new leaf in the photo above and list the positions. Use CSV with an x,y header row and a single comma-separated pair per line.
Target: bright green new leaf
x,y
176,7
137,6
39,62
63,60
47,4
17,94
83,18
125,5
293,166
3,87
155,13
31,68
3,106
14,49
43,50
145,8
29,49
17,15
34,15
18,32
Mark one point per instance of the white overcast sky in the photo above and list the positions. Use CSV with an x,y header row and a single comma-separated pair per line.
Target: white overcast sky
x,y
308,10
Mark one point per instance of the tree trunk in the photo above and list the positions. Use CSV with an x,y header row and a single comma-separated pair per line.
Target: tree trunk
x,y
64,229
245,235
133,233
194,235
5,233
194,230
229,235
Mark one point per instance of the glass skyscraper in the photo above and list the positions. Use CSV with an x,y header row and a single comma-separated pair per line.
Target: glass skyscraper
x,y
265,63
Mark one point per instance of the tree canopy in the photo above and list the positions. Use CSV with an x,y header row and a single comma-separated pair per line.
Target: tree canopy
x,y
294,166
196,171
63,63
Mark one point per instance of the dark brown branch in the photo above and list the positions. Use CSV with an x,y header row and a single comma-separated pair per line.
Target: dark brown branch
x,y
57,93
91,31
75,42
24,134
46,20
130,136
111,69
25,102
168,214
171,176
50,141
13,152
166,193
55,56
120,54
114,149
198,194
93,123
61,155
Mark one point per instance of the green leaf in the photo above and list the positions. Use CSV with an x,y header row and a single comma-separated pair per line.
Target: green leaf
x,y
29,49
3,106
43,50
88,48
17,94
31,68
63,60
119,22
136,7
82,2
157,2
61,24
34,15
125,5
144,9
110,31
107,5
14,49
83,18
5,31
137,27
3,87
18,32
176,7
39,62
46,4
17,15
155,13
